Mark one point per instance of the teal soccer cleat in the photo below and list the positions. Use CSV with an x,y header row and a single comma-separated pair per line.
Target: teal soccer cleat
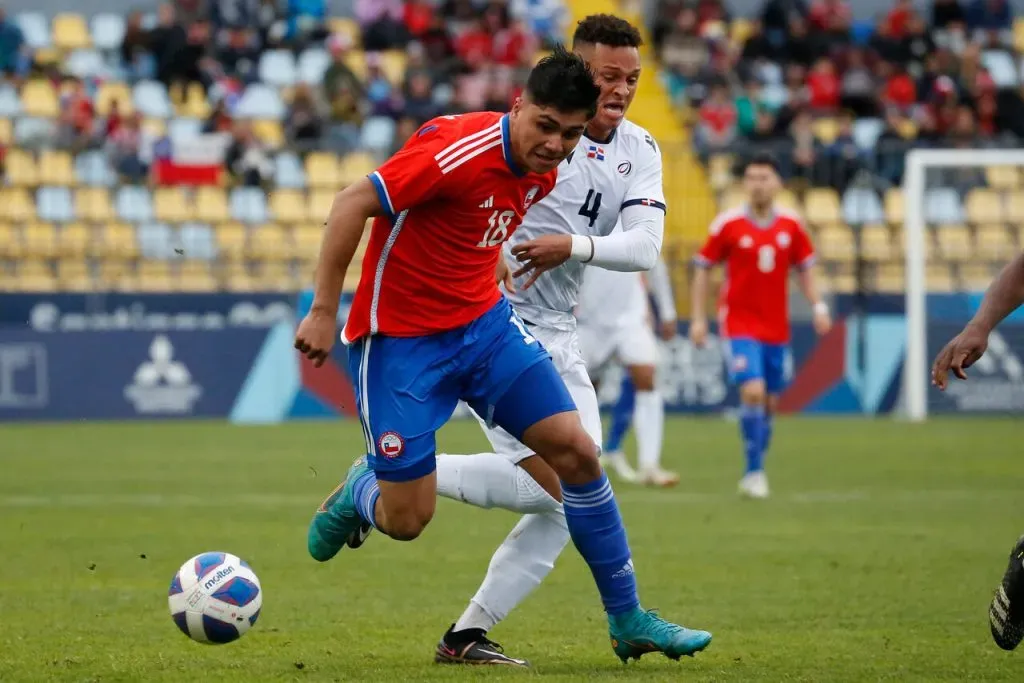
x,y
638,632
336,522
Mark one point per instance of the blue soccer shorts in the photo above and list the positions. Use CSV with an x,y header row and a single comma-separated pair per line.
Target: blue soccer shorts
x,y
750,359
408,387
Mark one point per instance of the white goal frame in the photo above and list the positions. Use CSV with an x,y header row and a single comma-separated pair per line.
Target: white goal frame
x,y
918,161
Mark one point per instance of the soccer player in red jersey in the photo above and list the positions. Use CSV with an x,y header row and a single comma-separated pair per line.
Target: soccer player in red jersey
x,y
758,243
429,326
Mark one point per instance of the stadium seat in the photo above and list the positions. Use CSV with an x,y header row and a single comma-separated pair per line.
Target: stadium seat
x,y
93,204
10,242
322,170
835,243
10,104
133,204
74,275
155,276
150,99
319,205
277,68
198,242
894,207
85,64
826,129
274,276
1001,68
354,167
821,206
984,206
158,241
55,204
889,278
21,169
288,206
288,172
346,27
107,31
35,276
39,240
788,199
1015,207
184,128
306,239
231,241
269,132
862,206
942,205
6,131
313,64
248,204
939,279
993,243
720,171
35,29
111,92
974,277
76,240
38,98
1002,177
70,32
92,168
954,243
866,132
841,283
211,206
195,104
55,168
260,101
731,198
171,205
34,130
269,243
377,134
118,242
17,206
876,243
196,276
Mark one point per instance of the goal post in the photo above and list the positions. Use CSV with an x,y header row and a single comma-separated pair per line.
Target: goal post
x,y
919,162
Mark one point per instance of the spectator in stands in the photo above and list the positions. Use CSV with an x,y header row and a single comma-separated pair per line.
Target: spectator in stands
x,y
246,159
77,116
305,117
382,24
136,56
777,18
834,17
169,42
514,46
803,46
125,149
858,90
219,120
379,91
439,51
805,148
842,156
418,17
684,54
475,46
823,86
419,105
717,128
404,130
305,20
988,17
898,89
545,19
13,60
947,12
917,43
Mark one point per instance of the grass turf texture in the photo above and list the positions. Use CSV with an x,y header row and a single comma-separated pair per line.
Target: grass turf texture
x,y
874,560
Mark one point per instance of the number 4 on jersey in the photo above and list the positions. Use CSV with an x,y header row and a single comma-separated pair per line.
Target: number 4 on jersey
x,y
591,211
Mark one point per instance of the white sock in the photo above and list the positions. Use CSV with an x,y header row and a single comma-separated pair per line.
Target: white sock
x,y
489,480
518,566
649,421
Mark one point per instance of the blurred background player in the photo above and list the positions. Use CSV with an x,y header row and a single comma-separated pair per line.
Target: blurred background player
x,y
616,325
758,244
1006,294
659,285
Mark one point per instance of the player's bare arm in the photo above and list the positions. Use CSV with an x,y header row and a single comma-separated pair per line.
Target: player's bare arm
x,y
809,287
698,315
1004,295
342,234
503,276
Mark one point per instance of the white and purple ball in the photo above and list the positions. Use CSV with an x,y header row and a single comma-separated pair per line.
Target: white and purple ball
x,y
215,598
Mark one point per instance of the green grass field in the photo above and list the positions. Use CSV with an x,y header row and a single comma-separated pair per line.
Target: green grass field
x,y
874,560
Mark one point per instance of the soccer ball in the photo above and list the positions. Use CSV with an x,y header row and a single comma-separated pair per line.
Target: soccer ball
x,y
215,598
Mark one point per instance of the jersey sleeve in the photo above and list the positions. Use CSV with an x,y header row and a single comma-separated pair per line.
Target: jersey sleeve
x,y
647,187
716,247
803,249
413,175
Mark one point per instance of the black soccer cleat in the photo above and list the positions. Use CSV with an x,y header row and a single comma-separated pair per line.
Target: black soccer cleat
x,y
471,646
1006,613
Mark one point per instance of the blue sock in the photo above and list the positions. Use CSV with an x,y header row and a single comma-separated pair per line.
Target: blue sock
x,y
597,532
752,430
622,416
766,434
366,491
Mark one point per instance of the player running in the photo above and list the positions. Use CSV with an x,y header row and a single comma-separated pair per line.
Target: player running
x,y
615,325
614,174
428,326
758,244
1006,294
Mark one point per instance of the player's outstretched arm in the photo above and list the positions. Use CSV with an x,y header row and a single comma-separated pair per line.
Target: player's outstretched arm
x,y
698,296
809,287
1004,295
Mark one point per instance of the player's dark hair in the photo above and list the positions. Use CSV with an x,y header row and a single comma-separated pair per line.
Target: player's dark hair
x,y
763,159
606,29
564,82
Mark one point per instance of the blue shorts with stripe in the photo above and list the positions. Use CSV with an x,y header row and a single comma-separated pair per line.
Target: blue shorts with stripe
x,y
408,387
750,359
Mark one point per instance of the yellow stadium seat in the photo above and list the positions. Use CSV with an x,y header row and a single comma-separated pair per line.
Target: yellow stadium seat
x,y
21,168
939,279
992,243
1018,34
288,206
194,104
740,30
111,92
975,277
73,275
40,240
821,206
720,171
211,205
155,276
17,205
1002,177
731,198
346,26
6,131
894,210
876,243
984,206
929,243
76,240
115,274
170,204
231,241
322,171
275,277
787,199
889,278
70,32
269,133
393,63
237,278
196,276
354,167
835,243
306,239
842,283
38,98
1015,207
826,130
93,204
319,205
269,243
954,243
156,128
118,242
10,241
36,276
55,168
907,129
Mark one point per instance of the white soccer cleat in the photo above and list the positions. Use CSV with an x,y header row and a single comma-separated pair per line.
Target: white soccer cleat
x,y
655,476
617,463
754,485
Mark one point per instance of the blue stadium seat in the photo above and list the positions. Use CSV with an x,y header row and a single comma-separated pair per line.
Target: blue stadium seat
x,y
85,64
288,171
36,29
942,205
157,241
313,64
861,206
774,95
182,128
107,31
277,68
866,132
134,204
10,104
378,134
91,168
150,98
54,204
249,205
1001,67
198,242
30,130
260,101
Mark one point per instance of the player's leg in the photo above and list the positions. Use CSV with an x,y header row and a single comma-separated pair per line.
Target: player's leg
x,y
1006,612
622,416
775,379
597,347
403,397
747,369
638,349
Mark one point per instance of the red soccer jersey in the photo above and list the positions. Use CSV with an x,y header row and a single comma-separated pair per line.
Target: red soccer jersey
x,y
451,196
754,300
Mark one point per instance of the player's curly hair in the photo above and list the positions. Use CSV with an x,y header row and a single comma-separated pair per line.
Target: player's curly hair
x,y
563,81
763,159
606,29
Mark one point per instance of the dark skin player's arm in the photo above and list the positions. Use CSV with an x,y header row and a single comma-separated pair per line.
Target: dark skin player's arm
x,y
1004,295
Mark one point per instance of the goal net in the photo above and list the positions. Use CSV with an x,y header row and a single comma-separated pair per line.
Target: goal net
x,y
963,221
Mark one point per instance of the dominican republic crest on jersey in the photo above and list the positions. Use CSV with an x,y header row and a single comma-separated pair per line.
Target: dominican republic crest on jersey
x,y
530,196
595,152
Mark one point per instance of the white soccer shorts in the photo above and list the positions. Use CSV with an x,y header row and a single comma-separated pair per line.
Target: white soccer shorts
x,y
630,344
565,353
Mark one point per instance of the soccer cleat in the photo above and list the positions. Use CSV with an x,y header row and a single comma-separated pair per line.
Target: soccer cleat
x,y
358,537
636,633
618,463
1006,613
655,476
754,485
336,522
471,646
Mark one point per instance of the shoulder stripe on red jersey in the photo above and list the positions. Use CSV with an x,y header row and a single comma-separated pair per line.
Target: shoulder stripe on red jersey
x,y
644,202
459,152
724,217
485,144
382,193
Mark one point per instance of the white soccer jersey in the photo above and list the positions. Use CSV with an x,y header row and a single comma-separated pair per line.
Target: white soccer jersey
x,y
594,184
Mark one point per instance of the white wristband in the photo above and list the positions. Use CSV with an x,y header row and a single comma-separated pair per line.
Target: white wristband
x,y
821,308
582,249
